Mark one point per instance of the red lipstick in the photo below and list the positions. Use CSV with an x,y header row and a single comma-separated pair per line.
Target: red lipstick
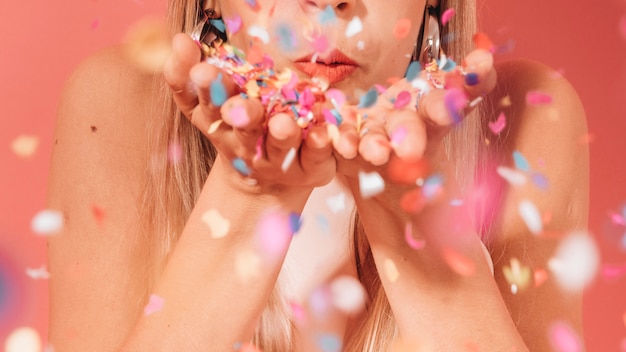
x,y
334,67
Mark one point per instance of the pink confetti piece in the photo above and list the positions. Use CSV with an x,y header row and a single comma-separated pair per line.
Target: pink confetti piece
x,y
233,25
613,271
617,219
155,304
402,28
398,136
622,26
239,116
498,125
175,152
95,24
413,243
298,312
320,43
539,277
336,97
538,98
403,99
447,16
563,338
248,347
274,232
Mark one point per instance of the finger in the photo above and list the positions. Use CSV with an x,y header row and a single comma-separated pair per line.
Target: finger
x,y
213,89
246,116
283,134
480,74
407,135
374,146
345,138
316,151
185,54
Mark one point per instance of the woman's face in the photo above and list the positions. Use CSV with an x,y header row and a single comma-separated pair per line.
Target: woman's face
x,y
315,38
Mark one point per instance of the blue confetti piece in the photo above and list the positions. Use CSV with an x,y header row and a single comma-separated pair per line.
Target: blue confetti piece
x,y
520,162
322,223
471,79
327,16
286,38
540,181
218,24
251,3
329,343
448,65
218,91
432,186
413,71
295,222
240,165
368,99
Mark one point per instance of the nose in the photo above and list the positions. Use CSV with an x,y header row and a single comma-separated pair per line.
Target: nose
x,y
339,6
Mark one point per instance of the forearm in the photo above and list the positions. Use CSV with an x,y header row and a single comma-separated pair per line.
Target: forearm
x,y
454,301
217,282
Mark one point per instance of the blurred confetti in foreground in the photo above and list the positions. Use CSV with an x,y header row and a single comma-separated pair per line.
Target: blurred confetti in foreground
x,y
47,222
23,339
25,146
147,45
576,261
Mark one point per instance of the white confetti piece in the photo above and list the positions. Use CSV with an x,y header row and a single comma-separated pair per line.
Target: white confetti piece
x,y
337,203
531,216
247,264
391,270
289,158
214,126
218,225
354,27
47,222
155,304
23,339
259,32
575,262
38,274
348,295
512,176
370,184
360,45
25,146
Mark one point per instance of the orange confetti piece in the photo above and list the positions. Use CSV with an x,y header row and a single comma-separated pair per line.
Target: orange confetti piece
x,y
25,146
248,347
482,41
540,276
402,28
459,263
391,270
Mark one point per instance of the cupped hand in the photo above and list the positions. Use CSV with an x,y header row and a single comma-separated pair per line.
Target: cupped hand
x,y
272,151
406,127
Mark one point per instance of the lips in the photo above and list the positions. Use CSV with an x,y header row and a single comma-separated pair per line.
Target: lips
x,y
334,67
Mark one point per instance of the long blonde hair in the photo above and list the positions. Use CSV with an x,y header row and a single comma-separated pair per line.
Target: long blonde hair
x,y
173,188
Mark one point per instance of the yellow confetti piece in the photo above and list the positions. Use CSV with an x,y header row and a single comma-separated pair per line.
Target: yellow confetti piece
x,y
391,270
218,225
505,102
25,146
214,126
247,264
147,45
517,275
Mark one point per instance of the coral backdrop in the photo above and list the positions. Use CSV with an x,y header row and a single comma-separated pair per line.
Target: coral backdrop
x,y
42,41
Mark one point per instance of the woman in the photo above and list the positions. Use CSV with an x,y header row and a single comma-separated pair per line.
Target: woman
x,y
160,254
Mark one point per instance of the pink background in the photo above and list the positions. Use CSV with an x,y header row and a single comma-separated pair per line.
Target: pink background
x,y
41,42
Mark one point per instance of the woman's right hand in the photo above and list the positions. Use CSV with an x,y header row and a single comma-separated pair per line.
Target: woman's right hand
x,y
239,131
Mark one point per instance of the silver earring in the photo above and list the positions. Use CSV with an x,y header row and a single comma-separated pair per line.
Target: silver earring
x,y
428,45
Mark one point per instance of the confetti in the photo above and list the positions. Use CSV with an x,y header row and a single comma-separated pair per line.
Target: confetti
x,y
576,262
95,24
24,339
563,338
516,275
218,225
274,231
295,222
540,181
155,304
540,276
286,38
413,201
512,176
433,186
408,236
505,102
530,214
320,43
354,27
298,312
147,45
348,295
613,272
322,223
47,222
447,16
38,274
327,16
360,45
538,98
25,146
368,99
391,270
174,152
337,203
520,161
247,265
455,101
402,28
398,136
329,343
233,24
458,262
253,5
498,125
214,126
413,71
482,41
289,158
241,167
622,26
403,99
260,33
248,347
239,116
218,91
370,184
472,79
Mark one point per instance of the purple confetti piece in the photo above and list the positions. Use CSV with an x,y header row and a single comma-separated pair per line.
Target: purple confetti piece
x,y
233,24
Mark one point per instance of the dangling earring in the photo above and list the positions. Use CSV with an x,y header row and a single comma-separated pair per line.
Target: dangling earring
x,y
209,33
428,45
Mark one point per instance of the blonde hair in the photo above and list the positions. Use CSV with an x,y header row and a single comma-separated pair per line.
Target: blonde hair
x,y
173,188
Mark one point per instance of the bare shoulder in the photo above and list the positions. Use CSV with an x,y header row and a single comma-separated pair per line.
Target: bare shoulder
x,y
544,142
97,175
